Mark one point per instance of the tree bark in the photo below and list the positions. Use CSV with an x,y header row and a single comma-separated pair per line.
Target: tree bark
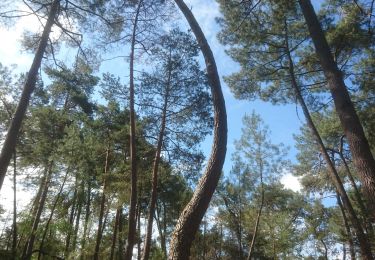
x,y
114,236
132,222
255,232
51,214
190,218
155,170
14,242
15,125
359,146
31,240
332,172
347,227
101,212
87,216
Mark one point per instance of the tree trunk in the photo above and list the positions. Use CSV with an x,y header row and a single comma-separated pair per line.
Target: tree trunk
x,y
114,236
357,194
101,212
347,227
120,236
87,216
51,214
252,245
77,218
190,218
31,240
71,220
359,147
15,125
155,170
14,242
335,178
132,223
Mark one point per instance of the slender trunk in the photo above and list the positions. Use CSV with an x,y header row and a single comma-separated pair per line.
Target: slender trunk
x,y
357,194
190,218
132,223
335,178
325,249
30,243
78,218
51,214
14,242
70,221
155,170
15,125
139,240
114,236
359,146
255,232
101,212
347,227
87,216
161,233
120,236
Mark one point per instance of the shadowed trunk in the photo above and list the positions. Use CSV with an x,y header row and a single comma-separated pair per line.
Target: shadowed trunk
x,y
190,218
15,125
359,147
132,222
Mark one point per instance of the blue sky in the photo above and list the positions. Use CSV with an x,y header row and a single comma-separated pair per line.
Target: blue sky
x,y
283,121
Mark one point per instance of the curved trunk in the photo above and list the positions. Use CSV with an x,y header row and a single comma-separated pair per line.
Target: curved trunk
x,y
15,125
190,218
132,223
332,172
359,147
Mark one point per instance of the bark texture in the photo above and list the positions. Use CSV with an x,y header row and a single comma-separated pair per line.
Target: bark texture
x,y
15,125
132,223
190,218
332,172
359,146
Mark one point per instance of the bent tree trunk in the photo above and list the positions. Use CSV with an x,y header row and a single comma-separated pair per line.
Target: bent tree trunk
x,y
359,147
15,125
190,218
132,223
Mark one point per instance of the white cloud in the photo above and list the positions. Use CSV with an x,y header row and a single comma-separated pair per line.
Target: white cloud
x,y
291,182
